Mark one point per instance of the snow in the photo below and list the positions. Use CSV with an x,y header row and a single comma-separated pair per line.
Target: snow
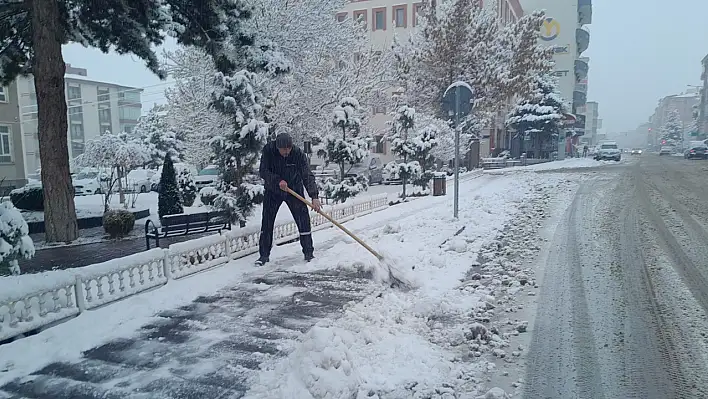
x,y
394,343
569,163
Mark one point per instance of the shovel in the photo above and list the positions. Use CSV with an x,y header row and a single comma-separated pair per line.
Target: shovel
x,y
395,281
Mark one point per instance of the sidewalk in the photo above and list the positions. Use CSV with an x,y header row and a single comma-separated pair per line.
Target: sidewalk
x,y
207,349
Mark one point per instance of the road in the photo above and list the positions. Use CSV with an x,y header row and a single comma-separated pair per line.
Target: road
x,y
624,290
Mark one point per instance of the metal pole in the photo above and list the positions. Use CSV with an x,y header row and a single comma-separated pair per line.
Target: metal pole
x,y
457,151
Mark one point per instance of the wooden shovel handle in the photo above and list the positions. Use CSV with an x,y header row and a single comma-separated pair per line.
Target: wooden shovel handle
x,y
334,222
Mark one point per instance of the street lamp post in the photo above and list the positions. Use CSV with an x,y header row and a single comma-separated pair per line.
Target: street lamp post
x,y
459,100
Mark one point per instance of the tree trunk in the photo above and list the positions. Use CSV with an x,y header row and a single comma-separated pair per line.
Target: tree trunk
x,y
121,193
48,68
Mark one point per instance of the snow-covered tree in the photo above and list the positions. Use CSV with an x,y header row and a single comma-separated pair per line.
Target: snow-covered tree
x,y
190,112
404,119
330,60
238,150
117,153
32,34
159,137
346,146
672,131
539,116
15,242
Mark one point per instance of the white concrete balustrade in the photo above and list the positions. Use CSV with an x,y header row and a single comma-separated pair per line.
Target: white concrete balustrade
x,y
46,302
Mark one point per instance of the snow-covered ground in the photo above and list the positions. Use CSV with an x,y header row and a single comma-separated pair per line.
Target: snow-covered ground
x,y
436,338
569,163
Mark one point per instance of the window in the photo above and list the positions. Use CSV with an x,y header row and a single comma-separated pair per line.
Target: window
x,y
417,9
5,144
77,131
73,92
129,95
104,116
77,148
341,17
3,94
399,16
379,18
132,113
127,127
360,16
104,94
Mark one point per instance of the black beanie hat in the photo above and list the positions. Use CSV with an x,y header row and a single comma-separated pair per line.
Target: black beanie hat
x,y
283,140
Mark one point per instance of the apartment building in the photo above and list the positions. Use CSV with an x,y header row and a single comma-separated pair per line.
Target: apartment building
x,y
387,18
683,103
12,170
703,107
94,107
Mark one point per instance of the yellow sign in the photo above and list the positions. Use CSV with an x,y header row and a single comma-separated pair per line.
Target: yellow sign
x,y
550,29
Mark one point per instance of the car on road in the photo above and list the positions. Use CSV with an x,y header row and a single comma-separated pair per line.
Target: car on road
x,y
696,151
207,177
666,150
608,150
636,151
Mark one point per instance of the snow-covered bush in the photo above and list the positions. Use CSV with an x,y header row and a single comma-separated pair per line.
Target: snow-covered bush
x,y
207,195
404,120
15,242
118,223
168,198
187,188
346,147
28,198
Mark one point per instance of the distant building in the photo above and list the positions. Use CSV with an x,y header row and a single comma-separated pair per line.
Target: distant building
x,y
12,169
94,107
683,103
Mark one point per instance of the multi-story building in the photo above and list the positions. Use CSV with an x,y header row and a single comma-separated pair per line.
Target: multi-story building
x,y
388,18
94,107
12,170
703,106
592,122
683,103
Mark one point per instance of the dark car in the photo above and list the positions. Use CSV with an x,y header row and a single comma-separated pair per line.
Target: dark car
x,y
696,151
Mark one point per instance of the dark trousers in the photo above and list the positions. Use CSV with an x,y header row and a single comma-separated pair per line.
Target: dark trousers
x,y
271,204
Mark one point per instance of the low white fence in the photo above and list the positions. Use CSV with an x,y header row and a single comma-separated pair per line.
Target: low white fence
x,y
70,292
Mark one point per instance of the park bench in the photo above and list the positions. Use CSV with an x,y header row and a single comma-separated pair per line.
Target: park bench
x,y
186,224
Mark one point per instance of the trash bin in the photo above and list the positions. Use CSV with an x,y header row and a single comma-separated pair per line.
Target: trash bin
x,y
439,185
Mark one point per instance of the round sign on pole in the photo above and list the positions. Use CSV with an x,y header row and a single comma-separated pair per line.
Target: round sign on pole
x,y
457,101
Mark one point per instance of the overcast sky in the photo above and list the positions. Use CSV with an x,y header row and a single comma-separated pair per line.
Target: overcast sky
x,y
640,51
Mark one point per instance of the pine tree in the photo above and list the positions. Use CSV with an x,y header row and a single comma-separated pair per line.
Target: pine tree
x,y
169,201
672,131
345,147
32,33
538,117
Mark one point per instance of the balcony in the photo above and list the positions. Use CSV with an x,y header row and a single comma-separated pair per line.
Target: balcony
x,y
579,99
581,69
582,38
584,12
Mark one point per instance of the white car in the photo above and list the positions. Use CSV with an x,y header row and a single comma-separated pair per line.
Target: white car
x,y
608,150
138,180
666,150
89,182
207,177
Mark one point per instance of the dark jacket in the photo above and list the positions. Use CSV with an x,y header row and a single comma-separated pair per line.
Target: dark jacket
x,y
294,169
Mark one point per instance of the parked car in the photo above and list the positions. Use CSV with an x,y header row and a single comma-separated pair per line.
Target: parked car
x,y
699,151
207,177
608,150
371,167
138,180
390,178
666,150
636,151
90,181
